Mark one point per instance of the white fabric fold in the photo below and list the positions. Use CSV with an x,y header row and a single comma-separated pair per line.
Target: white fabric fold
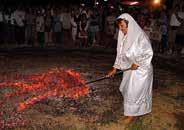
x,y
136,85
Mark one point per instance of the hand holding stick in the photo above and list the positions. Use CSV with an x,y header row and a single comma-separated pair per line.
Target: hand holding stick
x,y
110,74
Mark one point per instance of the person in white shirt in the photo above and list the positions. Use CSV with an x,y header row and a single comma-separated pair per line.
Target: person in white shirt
x,y
74,27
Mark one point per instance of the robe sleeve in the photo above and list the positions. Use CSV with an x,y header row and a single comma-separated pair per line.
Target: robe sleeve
x,y
117,62
144,52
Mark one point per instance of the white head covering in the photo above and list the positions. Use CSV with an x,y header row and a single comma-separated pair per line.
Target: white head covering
x,y
134,31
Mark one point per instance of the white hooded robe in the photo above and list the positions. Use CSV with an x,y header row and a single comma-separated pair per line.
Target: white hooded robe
x,y
136,85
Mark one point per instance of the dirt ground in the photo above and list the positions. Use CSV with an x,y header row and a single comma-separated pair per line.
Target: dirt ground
x,y
102,109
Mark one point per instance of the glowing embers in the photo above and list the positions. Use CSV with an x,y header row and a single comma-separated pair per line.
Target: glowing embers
x,y
54,83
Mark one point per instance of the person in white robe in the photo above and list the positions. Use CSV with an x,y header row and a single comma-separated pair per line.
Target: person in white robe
x,y
134,52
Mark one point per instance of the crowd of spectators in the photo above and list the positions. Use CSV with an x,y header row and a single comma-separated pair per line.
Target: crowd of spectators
x,y
82,26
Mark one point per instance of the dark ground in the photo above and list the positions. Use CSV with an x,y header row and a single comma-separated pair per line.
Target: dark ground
x,y
102,109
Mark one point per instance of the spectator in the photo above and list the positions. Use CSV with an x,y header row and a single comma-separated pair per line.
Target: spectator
x,y
1,26
94,28
48,26
7,27
74,27
57,27
155,36
174,25
40,29
164,32
110,24
141,19
111,30
180,34
19,16
83,34
29,20
148,29
66,23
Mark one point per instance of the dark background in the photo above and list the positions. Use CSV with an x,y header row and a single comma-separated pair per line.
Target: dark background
x,y
168,3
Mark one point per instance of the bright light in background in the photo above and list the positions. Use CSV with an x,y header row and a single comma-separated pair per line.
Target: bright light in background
x,y
156,2
97,3
83,4
134,3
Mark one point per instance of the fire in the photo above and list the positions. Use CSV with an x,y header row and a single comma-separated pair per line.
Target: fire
x,y
56,82
53,83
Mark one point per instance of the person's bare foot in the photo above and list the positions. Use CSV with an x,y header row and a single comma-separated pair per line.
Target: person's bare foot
x,y
129,120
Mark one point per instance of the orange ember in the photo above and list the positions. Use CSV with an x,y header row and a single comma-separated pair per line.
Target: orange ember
x,y
54,83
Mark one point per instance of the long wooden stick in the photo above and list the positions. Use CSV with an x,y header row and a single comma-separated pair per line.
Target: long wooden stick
x,y
105,77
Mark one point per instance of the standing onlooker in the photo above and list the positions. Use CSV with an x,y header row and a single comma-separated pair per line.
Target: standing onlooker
x,y
83,30
148,29
164,31
34,12
29,21
1,26
180,34
12,27
77,20
7,25
174,25
74,27
48,22
141,18
19,16
94,28
111,29
110,24
57,27
155,36
40,29
66,18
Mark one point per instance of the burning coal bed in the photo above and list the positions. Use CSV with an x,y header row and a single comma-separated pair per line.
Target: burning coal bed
x,y
30,89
